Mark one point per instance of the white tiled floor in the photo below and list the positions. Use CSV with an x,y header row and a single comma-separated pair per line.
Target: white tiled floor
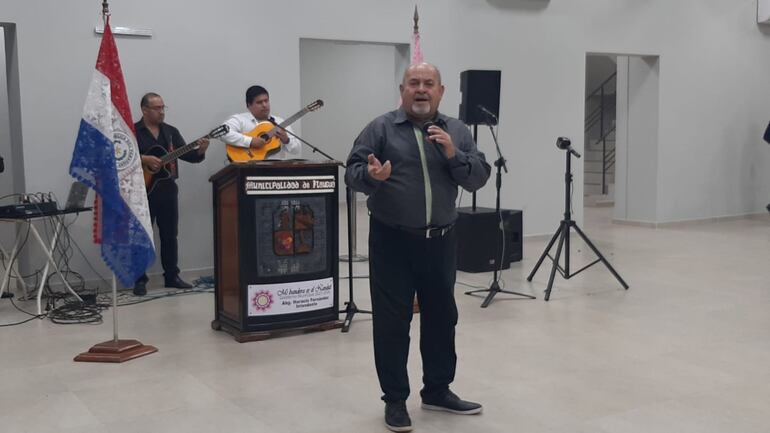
x,y
686,349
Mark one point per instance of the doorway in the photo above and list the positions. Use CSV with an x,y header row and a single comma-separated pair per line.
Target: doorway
x,y
621,137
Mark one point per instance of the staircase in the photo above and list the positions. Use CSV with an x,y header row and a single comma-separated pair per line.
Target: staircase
x,y
599,153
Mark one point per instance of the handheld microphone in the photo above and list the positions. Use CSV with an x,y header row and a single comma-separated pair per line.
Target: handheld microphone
x,y
426,126
489,114
439,124
564,143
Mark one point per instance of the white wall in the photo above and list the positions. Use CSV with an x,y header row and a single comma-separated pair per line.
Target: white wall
x,y
203,55
356,81
636,161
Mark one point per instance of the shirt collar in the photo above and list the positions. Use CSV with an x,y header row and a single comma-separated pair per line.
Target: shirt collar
x,y
401,116
141,125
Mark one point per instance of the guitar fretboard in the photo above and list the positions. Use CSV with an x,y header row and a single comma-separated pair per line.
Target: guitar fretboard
x,y
177,153
293,118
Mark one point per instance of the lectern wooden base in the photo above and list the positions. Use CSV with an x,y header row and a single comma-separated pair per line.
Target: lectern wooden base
x,y
115,351
245,336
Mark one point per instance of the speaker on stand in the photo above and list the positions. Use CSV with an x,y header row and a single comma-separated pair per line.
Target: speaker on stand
x,y
481,104
479,88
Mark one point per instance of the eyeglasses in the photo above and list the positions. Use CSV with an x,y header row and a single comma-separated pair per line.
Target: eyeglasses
x,y
160,109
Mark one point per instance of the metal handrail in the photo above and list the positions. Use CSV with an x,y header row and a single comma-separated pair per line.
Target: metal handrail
x,y
597,116
601,86
593,118
606,134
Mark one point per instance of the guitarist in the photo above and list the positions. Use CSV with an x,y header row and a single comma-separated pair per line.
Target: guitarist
x,y
151,130
258,104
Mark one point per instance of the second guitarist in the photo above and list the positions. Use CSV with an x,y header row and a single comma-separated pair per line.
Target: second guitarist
x,y
151,131
258,104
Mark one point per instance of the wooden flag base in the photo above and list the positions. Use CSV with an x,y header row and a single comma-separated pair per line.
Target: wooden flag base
x,y
115,351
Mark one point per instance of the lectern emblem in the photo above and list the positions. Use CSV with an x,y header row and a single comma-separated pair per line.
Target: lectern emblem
x,y
293,230
262,300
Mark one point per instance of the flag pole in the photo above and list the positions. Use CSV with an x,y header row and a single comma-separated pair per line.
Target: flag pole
x,y
417,58
115,350
114,309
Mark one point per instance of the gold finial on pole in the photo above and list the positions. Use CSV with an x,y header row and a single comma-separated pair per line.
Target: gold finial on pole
x,y
416,18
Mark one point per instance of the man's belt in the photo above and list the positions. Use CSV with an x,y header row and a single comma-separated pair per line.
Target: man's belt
x,y
427,232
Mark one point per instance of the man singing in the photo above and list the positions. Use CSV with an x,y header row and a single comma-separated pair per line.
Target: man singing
x,y
410,162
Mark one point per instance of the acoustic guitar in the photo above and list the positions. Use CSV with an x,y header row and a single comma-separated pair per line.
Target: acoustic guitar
x,y
266,130
151,178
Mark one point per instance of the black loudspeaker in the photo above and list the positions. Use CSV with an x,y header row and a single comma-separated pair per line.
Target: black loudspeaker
x,y
479,88
478,239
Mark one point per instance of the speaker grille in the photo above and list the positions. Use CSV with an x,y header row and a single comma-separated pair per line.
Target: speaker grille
x,y
479,88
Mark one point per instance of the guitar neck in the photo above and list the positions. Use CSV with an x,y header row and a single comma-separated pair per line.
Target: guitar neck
x,y
178,152
293,118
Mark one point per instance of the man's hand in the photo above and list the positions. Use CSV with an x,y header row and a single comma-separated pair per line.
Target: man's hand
x,y
443,139
282,135
257,142
376,169
151,162
203,144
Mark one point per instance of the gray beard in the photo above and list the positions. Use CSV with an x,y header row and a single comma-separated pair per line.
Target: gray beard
x,y
420,108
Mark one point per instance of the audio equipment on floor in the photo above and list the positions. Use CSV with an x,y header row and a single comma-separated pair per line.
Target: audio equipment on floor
x,y
479,239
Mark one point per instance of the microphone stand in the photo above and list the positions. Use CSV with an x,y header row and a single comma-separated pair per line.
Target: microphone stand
x,y
494,288
350,307
476,140
315,149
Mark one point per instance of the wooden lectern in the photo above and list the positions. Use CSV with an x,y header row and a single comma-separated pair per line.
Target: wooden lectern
x,y
276,248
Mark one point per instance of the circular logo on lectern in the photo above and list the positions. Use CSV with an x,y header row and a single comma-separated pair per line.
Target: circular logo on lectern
x,y
262,300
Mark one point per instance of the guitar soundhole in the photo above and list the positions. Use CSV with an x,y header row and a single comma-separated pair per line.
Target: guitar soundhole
x,y
265,137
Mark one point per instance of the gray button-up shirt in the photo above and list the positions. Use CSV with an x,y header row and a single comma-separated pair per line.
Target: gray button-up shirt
x,y
400,199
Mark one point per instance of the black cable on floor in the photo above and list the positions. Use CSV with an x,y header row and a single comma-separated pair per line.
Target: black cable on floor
x,y
32,316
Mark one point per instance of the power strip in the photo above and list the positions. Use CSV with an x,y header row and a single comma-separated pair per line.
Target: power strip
x,y
27,210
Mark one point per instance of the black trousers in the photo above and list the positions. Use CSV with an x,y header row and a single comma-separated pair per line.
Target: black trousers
x,y
400,265
164,211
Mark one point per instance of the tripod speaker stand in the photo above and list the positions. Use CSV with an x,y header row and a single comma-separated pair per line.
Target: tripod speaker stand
x,y
494,288
563,232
